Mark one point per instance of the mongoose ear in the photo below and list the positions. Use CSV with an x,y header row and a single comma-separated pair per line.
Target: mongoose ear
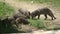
x,y
19,10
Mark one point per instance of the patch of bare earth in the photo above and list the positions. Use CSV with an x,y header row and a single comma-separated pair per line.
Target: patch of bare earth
x,y
31,7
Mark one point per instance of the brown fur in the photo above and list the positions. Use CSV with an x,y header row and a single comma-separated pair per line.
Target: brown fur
x,y
44,11
21,20
21,17
24,12
15,16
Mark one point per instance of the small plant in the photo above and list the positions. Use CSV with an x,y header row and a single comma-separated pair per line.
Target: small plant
x,y
37,23
5,9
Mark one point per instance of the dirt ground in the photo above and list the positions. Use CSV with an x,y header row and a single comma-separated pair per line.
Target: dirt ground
x,y
31,7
